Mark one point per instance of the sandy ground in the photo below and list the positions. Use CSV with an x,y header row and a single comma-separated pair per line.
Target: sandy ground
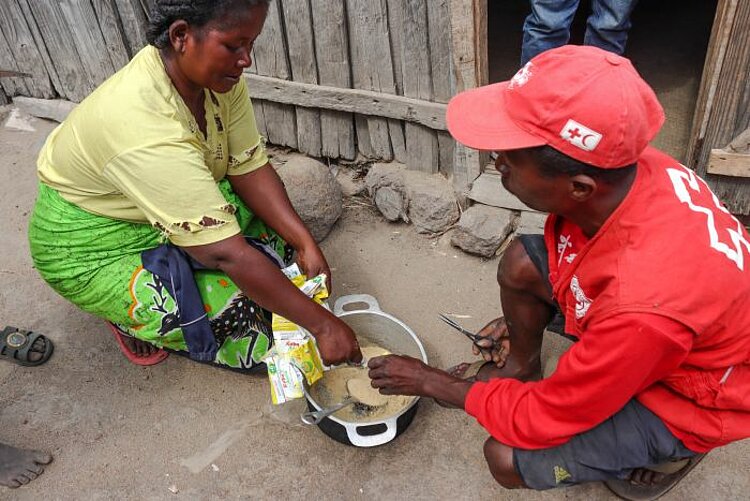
x,y
118,431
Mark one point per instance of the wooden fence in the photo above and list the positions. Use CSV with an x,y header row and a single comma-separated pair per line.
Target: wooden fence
x,y
723,110
331,78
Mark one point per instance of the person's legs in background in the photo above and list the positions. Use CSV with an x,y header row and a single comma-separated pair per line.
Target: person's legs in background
x,y
547,27
608,24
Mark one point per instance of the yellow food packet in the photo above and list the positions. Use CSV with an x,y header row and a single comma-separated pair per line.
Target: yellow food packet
x,y
294,359
288,371
307,359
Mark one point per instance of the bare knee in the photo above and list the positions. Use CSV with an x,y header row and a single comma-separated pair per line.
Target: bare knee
x,y
518,272
500,461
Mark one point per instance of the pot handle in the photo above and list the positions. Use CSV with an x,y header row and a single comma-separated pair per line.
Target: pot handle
x,y
371,302
373,440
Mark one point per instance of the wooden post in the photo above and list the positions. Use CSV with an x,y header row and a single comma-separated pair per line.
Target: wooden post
x,y
372,69
332,54
469,49
722,112
416,68
271,60
438,12
300,38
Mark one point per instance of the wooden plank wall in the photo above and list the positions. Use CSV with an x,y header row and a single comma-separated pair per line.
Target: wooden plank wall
x,y
372,69
443,79
133,20
68,46
392,47
723,110
19,52
470,69
398,47
338,138
280,120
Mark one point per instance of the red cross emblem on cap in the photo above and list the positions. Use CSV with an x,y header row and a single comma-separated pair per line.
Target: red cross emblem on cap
x,y
580,136
574,133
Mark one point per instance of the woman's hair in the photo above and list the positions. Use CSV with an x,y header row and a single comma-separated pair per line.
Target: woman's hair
x,y
552,163
196,13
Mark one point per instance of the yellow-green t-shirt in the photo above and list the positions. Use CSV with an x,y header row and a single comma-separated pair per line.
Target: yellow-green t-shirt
x,y
133,151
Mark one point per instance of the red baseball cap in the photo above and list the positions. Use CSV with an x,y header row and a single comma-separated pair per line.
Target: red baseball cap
x,y
585,102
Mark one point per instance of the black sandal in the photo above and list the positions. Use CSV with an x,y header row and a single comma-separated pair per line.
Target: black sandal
x,y
674,471
18,345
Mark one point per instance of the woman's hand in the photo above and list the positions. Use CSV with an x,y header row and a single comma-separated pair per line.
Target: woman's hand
x,y
337,343
497,330
261,280
313,262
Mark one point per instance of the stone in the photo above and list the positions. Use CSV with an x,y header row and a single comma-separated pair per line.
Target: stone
x,y
488,189
351,184
391,204
382,174
4,112
53,109
19,121
314,192
531,223
424,199
482,229
433,207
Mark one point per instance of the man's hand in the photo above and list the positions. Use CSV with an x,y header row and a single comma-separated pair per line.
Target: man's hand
x,y
337,343
313,263
497,330
400,375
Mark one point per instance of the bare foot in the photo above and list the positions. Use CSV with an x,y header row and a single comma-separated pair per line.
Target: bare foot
x,y
19,466
491,371
139,348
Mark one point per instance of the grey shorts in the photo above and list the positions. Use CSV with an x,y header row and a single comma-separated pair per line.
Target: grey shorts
x,y
632,438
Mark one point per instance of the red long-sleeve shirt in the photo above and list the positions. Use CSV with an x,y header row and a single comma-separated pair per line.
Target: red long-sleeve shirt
x,y
659,300
598,375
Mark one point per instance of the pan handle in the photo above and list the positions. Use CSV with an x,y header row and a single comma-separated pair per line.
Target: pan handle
x,y
343,301
391,429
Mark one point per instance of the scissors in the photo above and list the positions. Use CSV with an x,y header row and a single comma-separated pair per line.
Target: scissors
x,y
475,338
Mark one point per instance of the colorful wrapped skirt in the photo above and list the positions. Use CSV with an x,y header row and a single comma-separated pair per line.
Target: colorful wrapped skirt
x,y
96,263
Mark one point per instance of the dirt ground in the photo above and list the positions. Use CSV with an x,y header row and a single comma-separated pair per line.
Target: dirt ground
x,y
118,431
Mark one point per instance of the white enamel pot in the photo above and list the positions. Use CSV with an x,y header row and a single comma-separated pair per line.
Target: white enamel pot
x,y
363,314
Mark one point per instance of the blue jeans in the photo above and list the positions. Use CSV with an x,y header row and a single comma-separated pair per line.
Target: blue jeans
x,y
548,25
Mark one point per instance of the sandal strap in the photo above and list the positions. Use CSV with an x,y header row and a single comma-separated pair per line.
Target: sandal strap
x,y
670,467
474,368
19,353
